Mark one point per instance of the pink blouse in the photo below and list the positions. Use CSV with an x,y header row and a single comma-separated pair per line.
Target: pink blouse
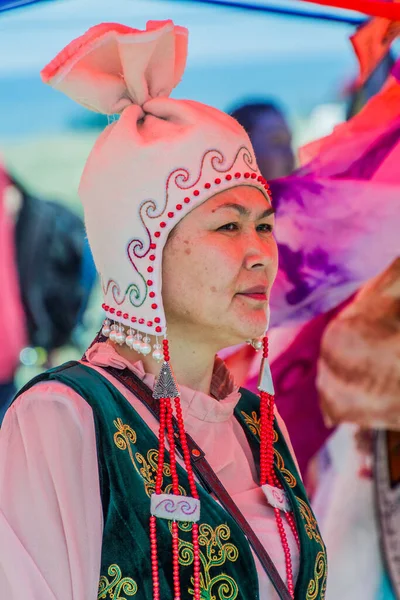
x,y
51,520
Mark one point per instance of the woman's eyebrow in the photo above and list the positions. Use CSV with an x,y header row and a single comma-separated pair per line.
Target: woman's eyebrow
x,y
266,213
243,211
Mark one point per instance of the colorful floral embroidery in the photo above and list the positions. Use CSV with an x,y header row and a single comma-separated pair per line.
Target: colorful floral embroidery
x,y
136,296
317,586
215,550
117,586
146,467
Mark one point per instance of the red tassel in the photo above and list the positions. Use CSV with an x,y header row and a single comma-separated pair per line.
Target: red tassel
x,y
167,427
267,472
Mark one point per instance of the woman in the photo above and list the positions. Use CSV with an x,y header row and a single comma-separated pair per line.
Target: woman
x,y
180,223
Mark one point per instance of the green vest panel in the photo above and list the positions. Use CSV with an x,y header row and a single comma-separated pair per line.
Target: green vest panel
x,y
127,458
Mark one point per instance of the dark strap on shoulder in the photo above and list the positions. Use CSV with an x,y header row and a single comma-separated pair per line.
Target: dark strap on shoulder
x,y
206,475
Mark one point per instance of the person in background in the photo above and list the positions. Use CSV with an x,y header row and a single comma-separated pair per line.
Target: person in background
x,y
43,251
270,135
13,327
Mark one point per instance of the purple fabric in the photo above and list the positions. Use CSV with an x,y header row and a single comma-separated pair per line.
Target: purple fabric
x,y
396,70
338,216
366,165
333,236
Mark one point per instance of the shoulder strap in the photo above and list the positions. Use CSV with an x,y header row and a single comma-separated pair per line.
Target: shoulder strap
x,y
207,476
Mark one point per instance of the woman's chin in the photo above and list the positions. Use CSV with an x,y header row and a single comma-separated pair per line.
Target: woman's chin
x,y
254,330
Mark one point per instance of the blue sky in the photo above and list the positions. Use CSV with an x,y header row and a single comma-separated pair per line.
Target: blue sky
x,y
31,36
232,55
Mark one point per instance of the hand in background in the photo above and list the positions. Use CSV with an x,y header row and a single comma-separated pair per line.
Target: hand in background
x,y
359,367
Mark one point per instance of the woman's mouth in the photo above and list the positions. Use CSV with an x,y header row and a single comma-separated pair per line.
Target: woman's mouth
x,y
258,293
259,297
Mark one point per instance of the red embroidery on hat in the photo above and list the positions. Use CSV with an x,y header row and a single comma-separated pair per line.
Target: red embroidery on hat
x,y
153,213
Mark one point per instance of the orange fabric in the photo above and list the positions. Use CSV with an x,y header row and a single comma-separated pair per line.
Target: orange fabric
x,y
371,43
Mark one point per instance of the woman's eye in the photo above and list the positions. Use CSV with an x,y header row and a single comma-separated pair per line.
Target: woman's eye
x,y
232,227
229,227
265,228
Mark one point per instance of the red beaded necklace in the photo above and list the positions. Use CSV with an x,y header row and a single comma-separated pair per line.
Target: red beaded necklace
x,y
166,429
267,476
267,472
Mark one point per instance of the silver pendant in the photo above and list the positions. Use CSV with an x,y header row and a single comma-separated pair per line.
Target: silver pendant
x,y
165,386
265,383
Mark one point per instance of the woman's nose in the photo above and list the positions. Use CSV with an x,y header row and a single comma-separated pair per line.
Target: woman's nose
x,y
260,253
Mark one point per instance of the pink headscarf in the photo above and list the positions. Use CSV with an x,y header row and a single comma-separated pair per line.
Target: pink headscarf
x,y
12,317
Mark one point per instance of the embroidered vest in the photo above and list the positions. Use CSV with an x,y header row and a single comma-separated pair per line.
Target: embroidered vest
x,y
127,459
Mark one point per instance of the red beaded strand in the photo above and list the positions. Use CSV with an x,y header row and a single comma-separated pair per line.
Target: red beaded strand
x,y
292,523
171,442
194,493
161,447
175,487
154,559
167,428
175,561
185,448
158,490
267,473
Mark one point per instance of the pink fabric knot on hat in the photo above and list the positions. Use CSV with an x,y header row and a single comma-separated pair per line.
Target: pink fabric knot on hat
x,y
113,66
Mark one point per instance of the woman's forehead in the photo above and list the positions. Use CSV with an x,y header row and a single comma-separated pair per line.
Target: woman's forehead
x,y
246,195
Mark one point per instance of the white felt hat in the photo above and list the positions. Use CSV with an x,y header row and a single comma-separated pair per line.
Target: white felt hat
x,y
148,169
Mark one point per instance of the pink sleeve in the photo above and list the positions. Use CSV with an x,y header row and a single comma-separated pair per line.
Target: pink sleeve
x,y
50,508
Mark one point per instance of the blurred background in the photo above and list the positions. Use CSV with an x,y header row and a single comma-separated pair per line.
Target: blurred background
x,y
301,59
288,72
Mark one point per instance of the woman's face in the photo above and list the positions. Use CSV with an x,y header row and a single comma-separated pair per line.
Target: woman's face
x,y
218,268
